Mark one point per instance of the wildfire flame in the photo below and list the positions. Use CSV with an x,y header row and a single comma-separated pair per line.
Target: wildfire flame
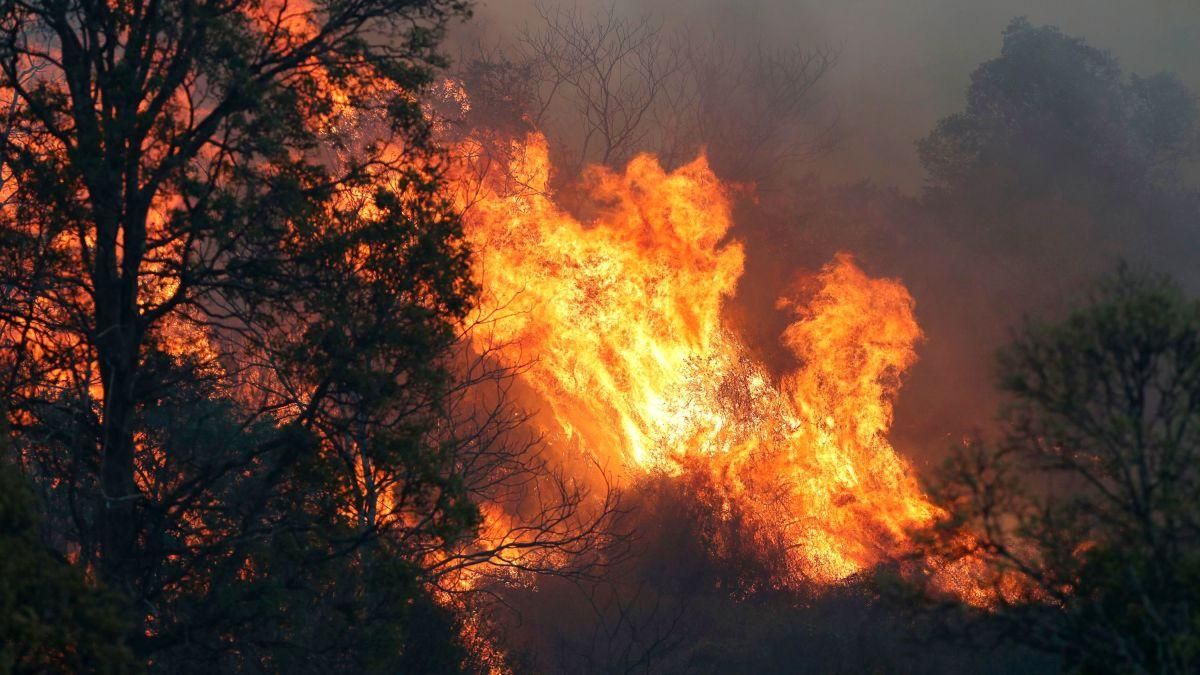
x,y
620,321
616,324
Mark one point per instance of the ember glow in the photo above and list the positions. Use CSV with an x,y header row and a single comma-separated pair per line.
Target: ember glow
x,y
619,319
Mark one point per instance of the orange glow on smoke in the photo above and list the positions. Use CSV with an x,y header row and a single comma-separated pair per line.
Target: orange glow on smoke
x,y
619,320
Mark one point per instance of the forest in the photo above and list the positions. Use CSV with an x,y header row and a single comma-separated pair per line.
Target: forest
x,y
440,336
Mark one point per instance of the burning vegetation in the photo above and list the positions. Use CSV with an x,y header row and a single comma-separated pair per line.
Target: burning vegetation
x,y
620,322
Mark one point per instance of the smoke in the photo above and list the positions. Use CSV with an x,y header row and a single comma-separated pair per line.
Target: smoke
x,y
902,65
899,69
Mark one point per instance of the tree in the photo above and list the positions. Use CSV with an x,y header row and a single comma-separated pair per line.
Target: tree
x,y
1054,114
232,295
1059,162
605,87
1056,142
1086,512
51,619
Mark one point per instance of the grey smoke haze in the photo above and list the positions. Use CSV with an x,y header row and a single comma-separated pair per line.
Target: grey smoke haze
x,y
903,64
901,67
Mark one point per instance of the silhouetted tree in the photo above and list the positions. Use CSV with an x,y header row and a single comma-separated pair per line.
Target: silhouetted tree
x,y
1057,145
51,619
1086,512
1058,163
231,294
1053,114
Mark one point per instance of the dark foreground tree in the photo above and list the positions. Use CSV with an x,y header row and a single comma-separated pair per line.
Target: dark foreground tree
x,y
1088,511
51,619
230,295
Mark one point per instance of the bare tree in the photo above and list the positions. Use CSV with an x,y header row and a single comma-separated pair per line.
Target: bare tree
x,y
756,107
605,87
601,76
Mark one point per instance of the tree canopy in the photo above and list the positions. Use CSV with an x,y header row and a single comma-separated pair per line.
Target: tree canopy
x,y
232,289
1053,113
1086,511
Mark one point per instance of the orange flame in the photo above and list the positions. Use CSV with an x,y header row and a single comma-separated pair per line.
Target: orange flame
x,y
619,319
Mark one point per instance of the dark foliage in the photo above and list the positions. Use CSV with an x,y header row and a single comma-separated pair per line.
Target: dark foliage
x,y
230,293
702,594
51,619
1087,507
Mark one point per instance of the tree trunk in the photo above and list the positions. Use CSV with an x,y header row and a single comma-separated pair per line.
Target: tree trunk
x,y
118,346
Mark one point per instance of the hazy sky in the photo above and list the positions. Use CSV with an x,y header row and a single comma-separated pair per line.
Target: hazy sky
x,y
905,63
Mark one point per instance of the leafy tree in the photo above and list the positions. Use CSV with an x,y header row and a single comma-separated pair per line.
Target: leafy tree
x,y
1059,162
1057,145
1054,114
232,291
51,618
1087,512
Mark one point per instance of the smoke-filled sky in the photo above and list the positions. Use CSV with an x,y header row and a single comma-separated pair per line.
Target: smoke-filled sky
x,y
905,63
901,66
